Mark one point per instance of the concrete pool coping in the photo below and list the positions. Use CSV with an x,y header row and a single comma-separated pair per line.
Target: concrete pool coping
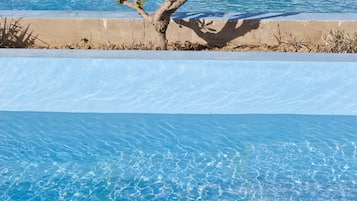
x,y
55,29
180,55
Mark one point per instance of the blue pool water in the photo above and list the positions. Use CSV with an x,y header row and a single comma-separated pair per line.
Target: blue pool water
x,y
177,157
254,6
153,125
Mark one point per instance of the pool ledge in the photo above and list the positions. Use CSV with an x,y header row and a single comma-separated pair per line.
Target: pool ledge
x,y
180,55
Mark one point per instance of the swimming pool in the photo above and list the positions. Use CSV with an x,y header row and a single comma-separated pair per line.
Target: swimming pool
x,y
142,125
256,6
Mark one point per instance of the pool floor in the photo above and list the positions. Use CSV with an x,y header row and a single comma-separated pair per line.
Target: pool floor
x,y
92,156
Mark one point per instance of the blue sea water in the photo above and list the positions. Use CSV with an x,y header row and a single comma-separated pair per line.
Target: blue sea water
x,y
93,156
254,6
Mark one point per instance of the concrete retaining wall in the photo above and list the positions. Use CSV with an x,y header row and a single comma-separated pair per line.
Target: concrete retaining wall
x,y
59,28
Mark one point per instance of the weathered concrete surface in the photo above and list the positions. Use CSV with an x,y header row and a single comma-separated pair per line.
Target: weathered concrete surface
x,y
57,32
258,31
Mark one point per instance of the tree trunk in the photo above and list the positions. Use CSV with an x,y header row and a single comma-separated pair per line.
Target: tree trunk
x,y
162,41
160,25
160,19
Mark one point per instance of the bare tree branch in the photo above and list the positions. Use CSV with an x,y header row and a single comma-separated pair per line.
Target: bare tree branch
x,y
163,8
134,5
168,8
177,4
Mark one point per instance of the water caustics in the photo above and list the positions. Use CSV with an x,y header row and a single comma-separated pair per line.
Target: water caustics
x,y
312,6
84,156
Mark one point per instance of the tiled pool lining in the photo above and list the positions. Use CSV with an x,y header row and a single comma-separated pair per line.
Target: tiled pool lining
x,y
60,28
178,82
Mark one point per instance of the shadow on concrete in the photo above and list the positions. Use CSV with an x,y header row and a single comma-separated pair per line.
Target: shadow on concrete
x,y
13,35
236,25
231,16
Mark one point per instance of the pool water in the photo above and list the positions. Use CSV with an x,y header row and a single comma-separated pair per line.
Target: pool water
x,y
101,156
254,6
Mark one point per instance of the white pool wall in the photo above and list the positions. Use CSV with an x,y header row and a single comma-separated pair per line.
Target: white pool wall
x,y
177,82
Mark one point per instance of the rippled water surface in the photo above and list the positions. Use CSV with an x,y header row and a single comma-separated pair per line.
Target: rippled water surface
x,y
177,157
319,6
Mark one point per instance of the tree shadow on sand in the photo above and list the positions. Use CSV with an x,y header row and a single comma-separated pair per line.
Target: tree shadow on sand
x,y
235,26
13,35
